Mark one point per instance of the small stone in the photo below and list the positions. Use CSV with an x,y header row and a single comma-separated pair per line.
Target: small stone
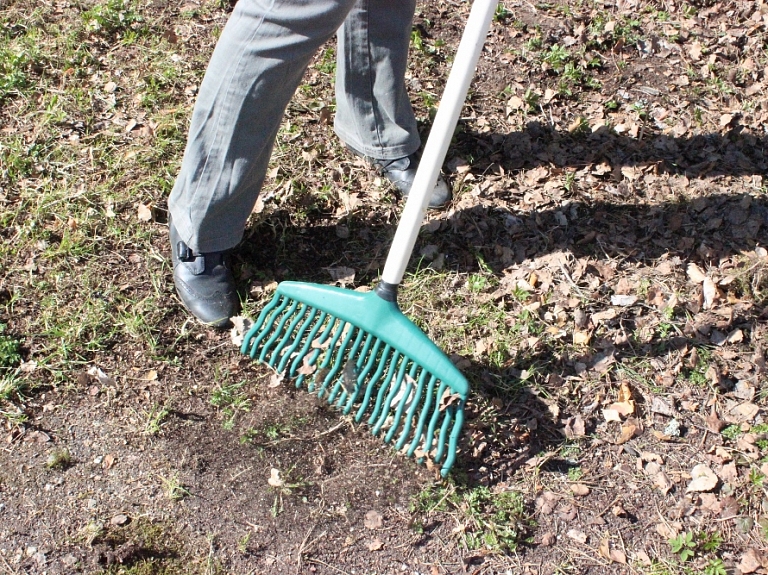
x,y
120,519
672,429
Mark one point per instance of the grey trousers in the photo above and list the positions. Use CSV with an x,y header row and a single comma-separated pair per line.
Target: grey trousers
x,y
257,65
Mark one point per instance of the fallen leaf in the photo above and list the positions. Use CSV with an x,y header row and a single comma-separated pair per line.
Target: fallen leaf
x,y
579,489
613,555
574,427
546,502
100,376
625,392
119,519
373,520
274,478
581,337
695,273
611,415
307,368
750,562
275,380
240,326
144,213
631,428
319,343
668,530
743,412
623,300
661,406
714,423
624,408
702,479
709,290
375,545
448,399
663,482
576,535
548,539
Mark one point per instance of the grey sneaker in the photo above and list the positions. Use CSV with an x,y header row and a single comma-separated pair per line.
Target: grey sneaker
x,y
204,283
402,171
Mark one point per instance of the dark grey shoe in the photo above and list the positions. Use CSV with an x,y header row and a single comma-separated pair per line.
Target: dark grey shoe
x,y
402,171
204,283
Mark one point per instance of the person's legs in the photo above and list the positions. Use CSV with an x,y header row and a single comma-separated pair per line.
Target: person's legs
x,y
255,69
257,64
373,112
374,116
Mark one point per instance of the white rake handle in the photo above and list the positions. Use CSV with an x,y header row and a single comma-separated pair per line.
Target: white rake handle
x,y
439,139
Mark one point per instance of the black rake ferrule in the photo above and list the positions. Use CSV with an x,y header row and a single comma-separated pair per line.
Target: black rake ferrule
x,y
386,291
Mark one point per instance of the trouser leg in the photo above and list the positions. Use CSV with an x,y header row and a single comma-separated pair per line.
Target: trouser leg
x,y
373,112
256,67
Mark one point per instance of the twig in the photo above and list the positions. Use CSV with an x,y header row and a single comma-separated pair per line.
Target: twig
x,y
570,281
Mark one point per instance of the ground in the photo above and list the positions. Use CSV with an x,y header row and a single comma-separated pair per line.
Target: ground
x,y
600,279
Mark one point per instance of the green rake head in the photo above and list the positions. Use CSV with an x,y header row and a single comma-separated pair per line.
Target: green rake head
x,y
359,352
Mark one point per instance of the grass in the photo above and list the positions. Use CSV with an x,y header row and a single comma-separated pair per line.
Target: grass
x,y
495,522
232,400
173,488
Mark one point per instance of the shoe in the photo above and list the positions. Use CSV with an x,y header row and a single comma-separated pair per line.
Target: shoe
x,y
402,171
204,283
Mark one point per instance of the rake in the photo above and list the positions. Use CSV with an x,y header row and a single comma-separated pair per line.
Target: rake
x,y
358,351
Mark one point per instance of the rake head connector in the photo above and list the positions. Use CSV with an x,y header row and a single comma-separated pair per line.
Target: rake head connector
x,y
359,352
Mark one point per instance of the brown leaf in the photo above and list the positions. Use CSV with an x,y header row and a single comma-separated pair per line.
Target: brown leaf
x,y
750,562
373,520
546,502
448,399
709,290
576,535
144,213
275,380
119,519
574,427
579,489
581,337
612,415
274,478
548,539
307,368
631,428
318,343
695,273
668,530
613,555
663,482
625,392
375,545
714,423
624,408
702,479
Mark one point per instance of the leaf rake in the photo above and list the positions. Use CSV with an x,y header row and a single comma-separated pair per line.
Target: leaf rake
x,y
358,351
